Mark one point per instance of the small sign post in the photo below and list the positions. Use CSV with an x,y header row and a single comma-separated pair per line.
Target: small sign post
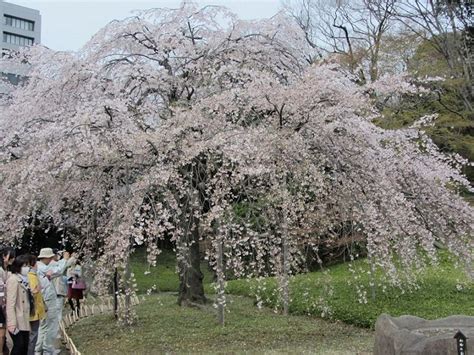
x,y
461,342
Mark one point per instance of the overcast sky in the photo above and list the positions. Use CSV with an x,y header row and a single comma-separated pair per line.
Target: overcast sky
x,y
68,24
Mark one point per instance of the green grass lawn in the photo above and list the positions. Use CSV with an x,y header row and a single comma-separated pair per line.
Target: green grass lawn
x,y
164,327
437,296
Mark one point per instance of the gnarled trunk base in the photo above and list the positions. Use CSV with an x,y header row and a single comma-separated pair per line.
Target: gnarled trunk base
x,y
191,290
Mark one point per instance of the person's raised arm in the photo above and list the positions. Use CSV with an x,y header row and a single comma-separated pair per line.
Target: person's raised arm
x,y
58,268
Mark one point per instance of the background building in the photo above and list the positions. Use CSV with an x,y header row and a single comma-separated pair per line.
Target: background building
x,y
19,27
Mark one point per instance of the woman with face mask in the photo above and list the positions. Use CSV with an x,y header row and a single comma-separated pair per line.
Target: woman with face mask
x,y
18,305
7,256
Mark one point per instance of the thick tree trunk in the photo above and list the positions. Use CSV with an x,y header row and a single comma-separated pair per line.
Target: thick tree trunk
x,y
128,286
285,281
191,290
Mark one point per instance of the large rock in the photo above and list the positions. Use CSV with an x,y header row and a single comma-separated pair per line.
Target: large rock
x,y
408,335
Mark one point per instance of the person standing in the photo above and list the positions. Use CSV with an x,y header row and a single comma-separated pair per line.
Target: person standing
x,y
39,309
8,255
76,287
18,306
47,271
60,285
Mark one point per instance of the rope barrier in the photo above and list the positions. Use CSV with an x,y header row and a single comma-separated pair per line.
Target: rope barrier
x,y
97,306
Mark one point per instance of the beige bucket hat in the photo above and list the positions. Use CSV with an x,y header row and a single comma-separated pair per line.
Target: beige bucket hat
x,y
46,253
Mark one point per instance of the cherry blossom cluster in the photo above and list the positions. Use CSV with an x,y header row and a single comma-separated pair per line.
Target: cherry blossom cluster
x,y
216,133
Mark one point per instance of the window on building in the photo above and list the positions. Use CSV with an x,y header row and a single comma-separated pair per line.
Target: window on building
x,y
19,23
8,53
13,79
5,53
17,39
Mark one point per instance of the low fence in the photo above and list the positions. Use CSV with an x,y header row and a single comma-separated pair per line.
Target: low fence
x,y
92,306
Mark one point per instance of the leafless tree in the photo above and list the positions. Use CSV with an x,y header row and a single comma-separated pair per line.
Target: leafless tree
x,y
352,29
448,26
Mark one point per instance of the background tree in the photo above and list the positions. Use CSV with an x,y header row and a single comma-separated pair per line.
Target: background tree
x,y
423,38
447,26
353,30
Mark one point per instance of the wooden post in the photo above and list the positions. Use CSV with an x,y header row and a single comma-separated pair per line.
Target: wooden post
x,y
372,279
285,261
116,292
285,276
461,343
220,281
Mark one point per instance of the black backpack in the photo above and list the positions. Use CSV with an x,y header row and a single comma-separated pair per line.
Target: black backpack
x,y
31,299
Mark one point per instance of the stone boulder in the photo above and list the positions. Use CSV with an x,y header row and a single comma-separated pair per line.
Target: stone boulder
x,y
408,335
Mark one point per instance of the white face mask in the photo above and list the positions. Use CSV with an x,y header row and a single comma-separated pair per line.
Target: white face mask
x,y
25,270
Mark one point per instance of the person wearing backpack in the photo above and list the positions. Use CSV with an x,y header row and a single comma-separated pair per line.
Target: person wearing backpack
x,y
40,308
19,303
8,255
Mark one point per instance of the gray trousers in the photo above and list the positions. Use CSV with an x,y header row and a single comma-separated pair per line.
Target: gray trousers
x,y
60,307
33,336
48,330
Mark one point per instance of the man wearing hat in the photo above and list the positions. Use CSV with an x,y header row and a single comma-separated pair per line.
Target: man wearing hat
x,y
48,270
60,285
